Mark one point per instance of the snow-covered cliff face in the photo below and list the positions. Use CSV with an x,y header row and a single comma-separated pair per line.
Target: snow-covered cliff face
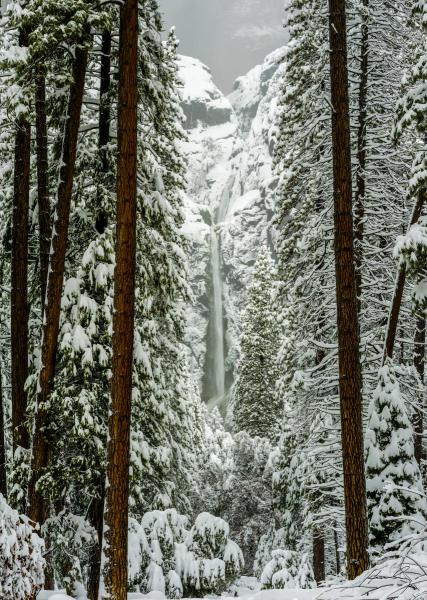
x,y
229,205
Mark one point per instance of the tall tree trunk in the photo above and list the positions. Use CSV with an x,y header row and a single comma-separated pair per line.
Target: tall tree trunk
x,y
19,277
96,518
3,471
419,361
337,552
96,513
42,182
350,373
393,319
359,201
3,474
37,509
104,127
104,101
116,517
318,556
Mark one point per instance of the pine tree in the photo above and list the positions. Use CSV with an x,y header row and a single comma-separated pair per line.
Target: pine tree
x,y
21,555
249,514
117,493
257,409
396,504
350,380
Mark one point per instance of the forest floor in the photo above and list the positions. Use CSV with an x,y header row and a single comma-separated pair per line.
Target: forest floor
x,y
399,578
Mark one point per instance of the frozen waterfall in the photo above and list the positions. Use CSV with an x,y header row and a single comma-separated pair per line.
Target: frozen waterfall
x,y
217,318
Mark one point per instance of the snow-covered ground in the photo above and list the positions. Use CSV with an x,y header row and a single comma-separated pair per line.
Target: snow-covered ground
x,y
264,595
400,578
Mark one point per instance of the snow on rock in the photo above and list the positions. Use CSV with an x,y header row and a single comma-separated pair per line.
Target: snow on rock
x,y
231,187
202,101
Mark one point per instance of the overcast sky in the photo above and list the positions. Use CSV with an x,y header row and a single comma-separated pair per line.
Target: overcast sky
x,y
230,36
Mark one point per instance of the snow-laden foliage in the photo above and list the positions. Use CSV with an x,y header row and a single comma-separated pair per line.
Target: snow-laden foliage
x,y
256,407
396,503
228,465
287,569
166,556
21,555
72,540
271,540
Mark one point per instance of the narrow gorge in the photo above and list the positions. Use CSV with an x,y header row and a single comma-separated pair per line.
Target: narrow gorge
x,y
229,206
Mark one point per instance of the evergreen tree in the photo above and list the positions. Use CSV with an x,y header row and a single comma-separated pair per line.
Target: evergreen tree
x,y
21,555
249,514
396,504
257,408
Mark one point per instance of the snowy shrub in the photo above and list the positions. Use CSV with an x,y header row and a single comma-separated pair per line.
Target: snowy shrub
x,y
220,559
288,569
152,549
271,540
164,556
21,555
70,540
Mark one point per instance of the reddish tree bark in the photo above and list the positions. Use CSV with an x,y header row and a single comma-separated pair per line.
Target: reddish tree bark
x,y
37,508
350,374
116,517
19,278
42,181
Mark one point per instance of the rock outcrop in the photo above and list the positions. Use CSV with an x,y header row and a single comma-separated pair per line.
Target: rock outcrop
x,y
229,206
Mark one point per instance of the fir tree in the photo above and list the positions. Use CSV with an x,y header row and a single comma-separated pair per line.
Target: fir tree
x,y
396,504
257,409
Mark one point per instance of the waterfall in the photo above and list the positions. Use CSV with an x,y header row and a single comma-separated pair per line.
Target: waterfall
x,y
216,349
217,318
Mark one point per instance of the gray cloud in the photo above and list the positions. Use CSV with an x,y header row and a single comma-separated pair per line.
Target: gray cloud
x,y
230,36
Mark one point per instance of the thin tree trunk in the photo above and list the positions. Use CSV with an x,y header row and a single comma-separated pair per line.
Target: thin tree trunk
x,y
19,278
419,362
96,517
104,101
3,471
393,319
37,508
337,552
96,513
3,474
318,556
104,126
359,202
116,517
42,182
350,375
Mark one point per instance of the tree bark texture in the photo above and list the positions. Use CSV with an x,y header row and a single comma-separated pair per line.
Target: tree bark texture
x,y
117,492
19,280
37,509
3,473
318,556
104,127
350,376
96,518
42,182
